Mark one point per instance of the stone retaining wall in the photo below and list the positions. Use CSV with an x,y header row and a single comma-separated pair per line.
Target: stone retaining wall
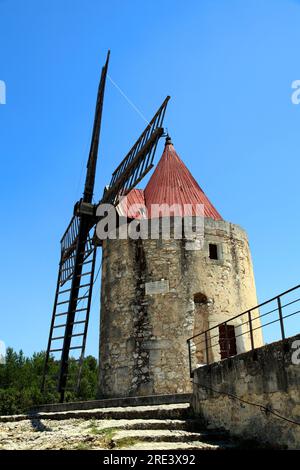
x,y
269,376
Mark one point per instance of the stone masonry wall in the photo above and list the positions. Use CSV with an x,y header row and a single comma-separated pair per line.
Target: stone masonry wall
x,y
266,376
148,307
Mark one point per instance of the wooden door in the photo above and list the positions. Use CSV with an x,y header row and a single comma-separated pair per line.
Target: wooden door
x,y
227,341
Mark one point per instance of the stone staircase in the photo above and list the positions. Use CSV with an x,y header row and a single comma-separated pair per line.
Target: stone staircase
x,y
141,427
166,427
168,434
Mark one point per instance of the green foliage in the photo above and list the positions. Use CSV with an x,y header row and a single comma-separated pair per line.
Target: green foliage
x,y
107,433
126,442
21,377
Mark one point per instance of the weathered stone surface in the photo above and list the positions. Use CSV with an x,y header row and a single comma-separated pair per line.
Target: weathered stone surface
x,y
157,287
164,427
134,324
267,377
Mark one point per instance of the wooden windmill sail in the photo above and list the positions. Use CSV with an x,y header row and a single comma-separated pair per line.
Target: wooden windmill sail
x,y
72,303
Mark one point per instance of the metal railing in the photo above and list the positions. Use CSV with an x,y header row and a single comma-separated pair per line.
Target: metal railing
x,y
212,346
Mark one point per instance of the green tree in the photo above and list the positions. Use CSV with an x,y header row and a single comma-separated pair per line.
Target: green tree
x,y
20,381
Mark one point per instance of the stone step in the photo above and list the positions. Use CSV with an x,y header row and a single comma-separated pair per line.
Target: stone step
x,y
161,412
169,424
169,399
123,438
190,425
195,445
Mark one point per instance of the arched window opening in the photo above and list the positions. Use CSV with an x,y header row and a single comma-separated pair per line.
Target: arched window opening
x,y
200,299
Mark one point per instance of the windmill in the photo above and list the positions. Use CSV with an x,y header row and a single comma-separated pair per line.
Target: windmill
x,y
72,302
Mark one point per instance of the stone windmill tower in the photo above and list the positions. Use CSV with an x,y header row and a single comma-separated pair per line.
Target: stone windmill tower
x,y
158,292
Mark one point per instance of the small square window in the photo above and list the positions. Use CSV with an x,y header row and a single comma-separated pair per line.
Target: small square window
x,y
213,251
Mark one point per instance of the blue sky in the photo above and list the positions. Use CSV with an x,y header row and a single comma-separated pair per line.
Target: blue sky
x,y
228,66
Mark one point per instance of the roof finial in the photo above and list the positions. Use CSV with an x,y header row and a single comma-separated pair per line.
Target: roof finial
x,y
168,140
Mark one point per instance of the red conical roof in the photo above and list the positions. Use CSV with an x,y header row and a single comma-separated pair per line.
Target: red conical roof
x,y
172,183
